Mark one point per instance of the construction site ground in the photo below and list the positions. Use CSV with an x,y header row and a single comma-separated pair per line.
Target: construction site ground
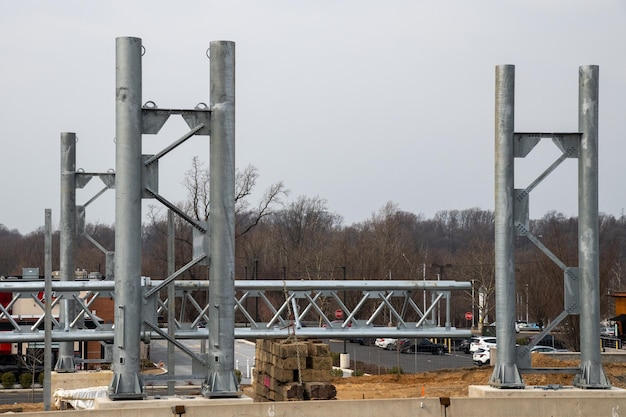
x,y
444,383
455,382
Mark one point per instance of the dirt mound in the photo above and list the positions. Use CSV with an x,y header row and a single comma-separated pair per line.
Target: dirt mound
x,y
21,407
454,383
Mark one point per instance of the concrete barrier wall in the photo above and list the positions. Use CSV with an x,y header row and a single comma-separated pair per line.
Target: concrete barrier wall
x,y
426,407
608,356
537,407
79,380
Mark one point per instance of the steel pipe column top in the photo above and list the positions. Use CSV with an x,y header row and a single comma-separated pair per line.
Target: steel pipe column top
x,y
221,380
592,374
67,244
505,372
126,382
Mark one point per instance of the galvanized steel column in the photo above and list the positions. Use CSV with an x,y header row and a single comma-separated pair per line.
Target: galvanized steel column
x,y
171,300
592,375
126,382
65,361
47,358
505,372
221,381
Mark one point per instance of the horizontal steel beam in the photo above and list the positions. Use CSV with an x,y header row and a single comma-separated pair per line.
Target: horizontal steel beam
x,y
243,285
245,333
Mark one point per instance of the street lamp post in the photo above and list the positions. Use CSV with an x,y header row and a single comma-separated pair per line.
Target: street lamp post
x,y
256,299
345,348
526,303
473,315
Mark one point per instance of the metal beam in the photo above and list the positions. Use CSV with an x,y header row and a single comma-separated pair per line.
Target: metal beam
x,y
67,232
592,375
505,372
126,383
221,379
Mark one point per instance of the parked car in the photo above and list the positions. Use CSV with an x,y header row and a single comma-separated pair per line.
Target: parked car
x,y
425,346
482,342
363,341
10,363
384,342
482,357
543,349
465,344
517,326
399,344
531,327
549,340
607,331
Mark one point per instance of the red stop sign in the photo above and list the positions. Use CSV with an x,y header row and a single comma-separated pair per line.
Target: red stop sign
x,y
468,315
338,314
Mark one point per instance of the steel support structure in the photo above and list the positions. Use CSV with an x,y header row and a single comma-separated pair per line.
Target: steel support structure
x,y
67,233
171,299
309,300
311,303
592,374
126,382
505,372
512,217
138,300
47,355
222,381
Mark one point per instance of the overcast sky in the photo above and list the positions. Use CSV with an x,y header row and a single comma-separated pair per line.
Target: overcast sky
x,y
358,102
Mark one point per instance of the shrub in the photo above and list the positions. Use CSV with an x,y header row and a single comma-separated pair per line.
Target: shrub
x,y
335,357
8,380
396,370
336,373
358,372
26,380
238,375
41,377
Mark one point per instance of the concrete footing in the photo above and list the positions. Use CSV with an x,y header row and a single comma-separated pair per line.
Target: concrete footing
x,y
485,391
168,402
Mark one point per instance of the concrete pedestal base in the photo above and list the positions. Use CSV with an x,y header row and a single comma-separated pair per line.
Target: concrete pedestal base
x,y
168,402
485,391
344,360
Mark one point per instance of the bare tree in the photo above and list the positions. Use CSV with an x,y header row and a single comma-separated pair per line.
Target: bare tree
x,y
477,264
198,205
32,361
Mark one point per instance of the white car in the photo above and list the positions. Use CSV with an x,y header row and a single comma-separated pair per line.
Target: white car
x,y
482,357
518,326
482,342
543,349
385,342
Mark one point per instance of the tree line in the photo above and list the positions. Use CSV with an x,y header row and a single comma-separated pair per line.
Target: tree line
x,y
278,238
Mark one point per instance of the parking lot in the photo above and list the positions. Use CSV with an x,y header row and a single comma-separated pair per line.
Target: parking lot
x,y
409,362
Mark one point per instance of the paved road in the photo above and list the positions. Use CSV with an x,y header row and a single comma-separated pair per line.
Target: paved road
x,y
244,357
12,396
410,363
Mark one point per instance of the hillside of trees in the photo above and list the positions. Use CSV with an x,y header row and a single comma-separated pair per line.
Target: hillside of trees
x,y
302,239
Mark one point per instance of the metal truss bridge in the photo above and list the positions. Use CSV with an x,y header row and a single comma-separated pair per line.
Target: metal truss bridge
x,y
291,305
